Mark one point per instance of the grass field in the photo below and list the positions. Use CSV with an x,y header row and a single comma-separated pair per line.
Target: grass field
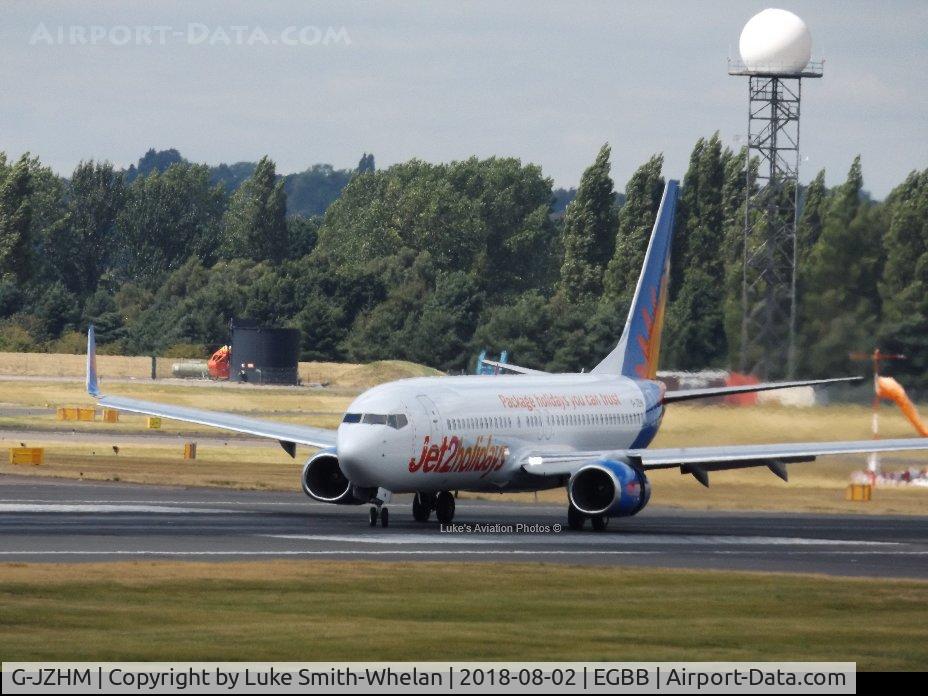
x,y
430,611
349,375
817,486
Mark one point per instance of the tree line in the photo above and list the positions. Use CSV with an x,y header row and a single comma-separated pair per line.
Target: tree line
x,y
433,262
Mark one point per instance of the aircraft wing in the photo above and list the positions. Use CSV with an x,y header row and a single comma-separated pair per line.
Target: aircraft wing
x,y
708,392
698,461
509,367
289,435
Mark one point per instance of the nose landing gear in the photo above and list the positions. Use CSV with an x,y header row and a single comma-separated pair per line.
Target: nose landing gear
x,y
379,508
382,514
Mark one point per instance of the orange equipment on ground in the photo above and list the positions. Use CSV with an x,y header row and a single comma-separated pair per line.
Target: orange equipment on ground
x,y
218,365
889,389
736,379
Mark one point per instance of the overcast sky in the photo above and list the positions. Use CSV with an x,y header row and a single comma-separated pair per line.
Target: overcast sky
x,y
547,82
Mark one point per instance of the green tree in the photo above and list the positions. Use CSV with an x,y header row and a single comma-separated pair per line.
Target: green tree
x,y
589,232
366,164
56,311
695,321
812,217
255,222
302,233
733,205
154,161
488,218
636,218
15,220
48,217
904,285
167,218
522,326
841,300
381,331
312,191
441,334
83,249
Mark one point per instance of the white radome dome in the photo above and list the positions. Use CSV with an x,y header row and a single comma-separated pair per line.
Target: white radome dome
x,y
775,41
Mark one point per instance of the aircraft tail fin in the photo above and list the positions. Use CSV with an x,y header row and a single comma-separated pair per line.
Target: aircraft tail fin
x,y
638,350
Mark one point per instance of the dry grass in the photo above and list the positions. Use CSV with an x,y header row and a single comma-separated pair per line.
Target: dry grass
x,y
245,399
67,365
262,467
235,611
346,375
350,376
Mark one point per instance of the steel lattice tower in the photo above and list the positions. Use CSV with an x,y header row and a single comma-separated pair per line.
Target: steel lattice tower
x,y
768,289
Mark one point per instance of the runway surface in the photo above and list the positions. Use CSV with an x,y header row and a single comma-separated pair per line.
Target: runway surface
x,y
55,520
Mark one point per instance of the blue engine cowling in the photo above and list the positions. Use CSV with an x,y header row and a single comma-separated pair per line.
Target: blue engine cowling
x,y
610,488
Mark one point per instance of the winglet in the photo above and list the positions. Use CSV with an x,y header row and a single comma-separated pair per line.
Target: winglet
x,y
93,388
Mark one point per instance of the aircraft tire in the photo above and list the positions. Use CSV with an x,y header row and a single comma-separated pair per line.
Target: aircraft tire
x,y
576,520
384,517
444,507
421,510
374,516
600,522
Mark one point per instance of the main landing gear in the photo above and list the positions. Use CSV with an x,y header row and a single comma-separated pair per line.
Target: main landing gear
x,y
443,505
576,520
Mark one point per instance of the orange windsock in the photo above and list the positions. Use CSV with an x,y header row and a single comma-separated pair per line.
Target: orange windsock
x,y
890,389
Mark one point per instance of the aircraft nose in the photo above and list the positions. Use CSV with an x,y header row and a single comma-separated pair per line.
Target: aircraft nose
x,y
351,443
366,451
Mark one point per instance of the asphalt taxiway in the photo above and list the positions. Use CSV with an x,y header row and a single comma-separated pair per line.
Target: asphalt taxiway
x,y
57,520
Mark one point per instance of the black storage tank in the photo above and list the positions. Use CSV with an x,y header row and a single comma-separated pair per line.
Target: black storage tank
x,y
264,355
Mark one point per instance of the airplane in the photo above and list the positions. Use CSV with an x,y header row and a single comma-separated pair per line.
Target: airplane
x,y
524,431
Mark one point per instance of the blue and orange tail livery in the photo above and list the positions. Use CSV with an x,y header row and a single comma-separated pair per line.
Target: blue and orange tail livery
x,y
639,348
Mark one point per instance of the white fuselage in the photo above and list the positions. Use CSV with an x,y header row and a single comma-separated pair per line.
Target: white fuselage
x,y
470,432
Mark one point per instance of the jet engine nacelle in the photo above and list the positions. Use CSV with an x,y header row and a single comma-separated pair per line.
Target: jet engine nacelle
x,y
323,480
610,488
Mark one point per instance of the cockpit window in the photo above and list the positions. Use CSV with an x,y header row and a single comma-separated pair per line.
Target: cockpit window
x,y
397,420
394,420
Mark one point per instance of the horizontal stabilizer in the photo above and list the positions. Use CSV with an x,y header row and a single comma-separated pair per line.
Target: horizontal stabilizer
x,y
509,367
709,392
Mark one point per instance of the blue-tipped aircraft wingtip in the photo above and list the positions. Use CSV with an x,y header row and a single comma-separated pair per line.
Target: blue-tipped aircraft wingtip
x,y
93,387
